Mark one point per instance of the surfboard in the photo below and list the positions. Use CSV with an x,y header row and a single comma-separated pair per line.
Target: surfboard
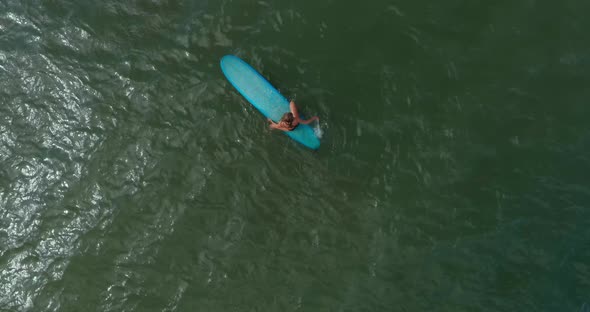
x,y
264,97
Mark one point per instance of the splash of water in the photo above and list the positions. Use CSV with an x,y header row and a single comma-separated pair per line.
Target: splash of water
x,y
318,131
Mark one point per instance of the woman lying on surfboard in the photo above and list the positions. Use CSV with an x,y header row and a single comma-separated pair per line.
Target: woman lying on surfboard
x,y
290,120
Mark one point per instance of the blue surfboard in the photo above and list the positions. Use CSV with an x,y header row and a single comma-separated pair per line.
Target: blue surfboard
x,y
262,95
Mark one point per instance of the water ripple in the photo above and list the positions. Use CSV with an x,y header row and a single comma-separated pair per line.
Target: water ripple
x,y
133,177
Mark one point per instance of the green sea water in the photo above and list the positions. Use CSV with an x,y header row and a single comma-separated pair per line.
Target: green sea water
x,y
452,174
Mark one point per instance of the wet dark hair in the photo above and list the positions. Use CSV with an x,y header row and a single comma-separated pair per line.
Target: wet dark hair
x,y
288,118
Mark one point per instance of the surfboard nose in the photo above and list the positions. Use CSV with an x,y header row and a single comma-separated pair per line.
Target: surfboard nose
x,y
228,58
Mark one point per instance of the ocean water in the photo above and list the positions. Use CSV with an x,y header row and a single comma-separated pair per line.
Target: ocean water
x,y
452,174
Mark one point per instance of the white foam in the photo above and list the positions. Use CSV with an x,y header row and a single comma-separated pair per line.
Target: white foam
x,y
318,131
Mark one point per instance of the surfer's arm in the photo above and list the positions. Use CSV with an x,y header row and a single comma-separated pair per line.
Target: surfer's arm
x,y
274,125
294,110
310,120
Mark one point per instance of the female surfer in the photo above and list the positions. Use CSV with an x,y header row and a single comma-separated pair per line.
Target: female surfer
x,y
290,120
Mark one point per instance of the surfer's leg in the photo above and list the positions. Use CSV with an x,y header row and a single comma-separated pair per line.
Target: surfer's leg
x,y
294,110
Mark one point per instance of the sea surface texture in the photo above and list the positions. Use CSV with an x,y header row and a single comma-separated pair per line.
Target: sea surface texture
x,y
452,175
